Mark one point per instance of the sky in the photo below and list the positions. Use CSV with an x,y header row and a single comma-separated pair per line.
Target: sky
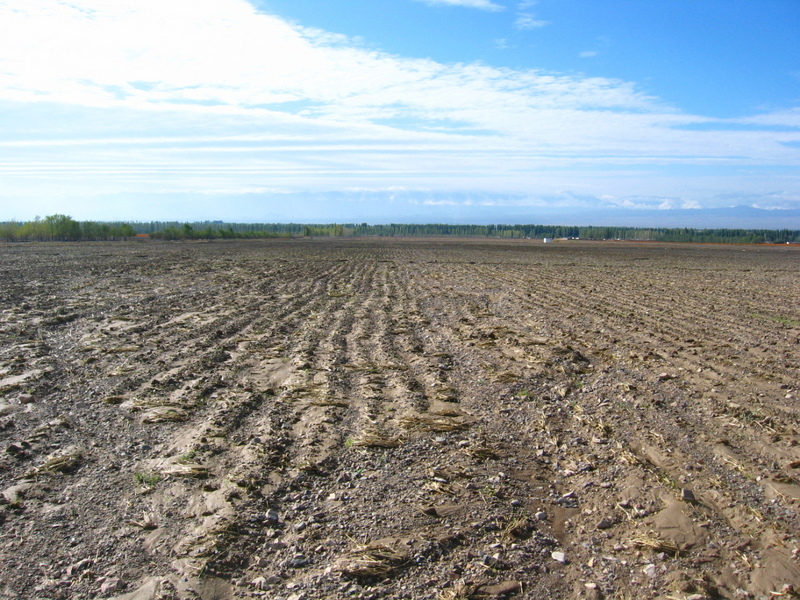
x,y
506,111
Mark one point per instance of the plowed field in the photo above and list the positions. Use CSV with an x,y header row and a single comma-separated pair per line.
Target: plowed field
x,y
304,419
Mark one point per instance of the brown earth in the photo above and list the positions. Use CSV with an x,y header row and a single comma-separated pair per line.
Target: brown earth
x,y
304,419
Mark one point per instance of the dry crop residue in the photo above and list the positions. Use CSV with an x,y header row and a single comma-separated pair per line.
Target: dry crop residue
x,y
456,419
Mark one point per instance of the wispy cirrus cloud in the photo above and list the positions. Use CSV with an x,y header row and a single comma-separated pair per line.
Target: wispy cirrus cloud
x,y
778,118
479,4
527,22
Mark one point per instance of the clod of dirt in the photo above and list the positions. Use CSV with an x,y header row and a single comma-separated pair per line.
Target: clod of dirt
x,y
16,493
113,400
497,590
8,409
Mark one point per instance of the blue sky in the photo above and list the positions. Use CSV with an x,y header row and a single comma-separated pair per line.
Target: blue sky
x,y
573,111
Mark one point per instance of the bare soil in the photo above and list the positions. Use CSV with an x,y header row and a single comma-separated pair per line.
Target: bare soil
x,y
304,419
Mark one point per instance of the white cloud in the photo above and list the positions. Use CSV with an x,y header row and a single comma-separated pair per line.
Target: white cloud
x,y
526,22
778,118
588,54
480,4
148,55
183,95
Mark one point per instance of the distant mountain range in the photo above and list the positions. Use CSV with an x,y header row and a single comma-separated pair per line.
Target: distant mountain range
x,y
737,217
417,207
375,211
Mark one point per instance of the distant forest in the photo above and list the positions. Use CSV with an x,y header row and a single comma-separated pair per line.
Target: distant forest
x,y
64,228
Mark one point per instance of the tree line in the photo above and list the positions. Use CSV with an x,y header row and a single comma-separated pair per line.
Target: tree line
x,y
61,228
64,228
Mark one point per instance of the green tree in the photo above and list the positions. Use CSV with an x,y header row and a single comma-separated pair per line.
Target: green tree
x,y
62,228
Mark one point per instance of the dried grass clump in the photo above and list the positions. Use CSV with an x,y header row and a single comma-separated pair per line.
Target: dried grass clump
x,y
448,473
337,402
429,422
656,544
447,394
622,454
439,487
445,409
122,349
376,559
506,376
65,461
374,439
146,403
460,591
464,590
482,452
194,471
520,528
43,431
147,522
164,414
